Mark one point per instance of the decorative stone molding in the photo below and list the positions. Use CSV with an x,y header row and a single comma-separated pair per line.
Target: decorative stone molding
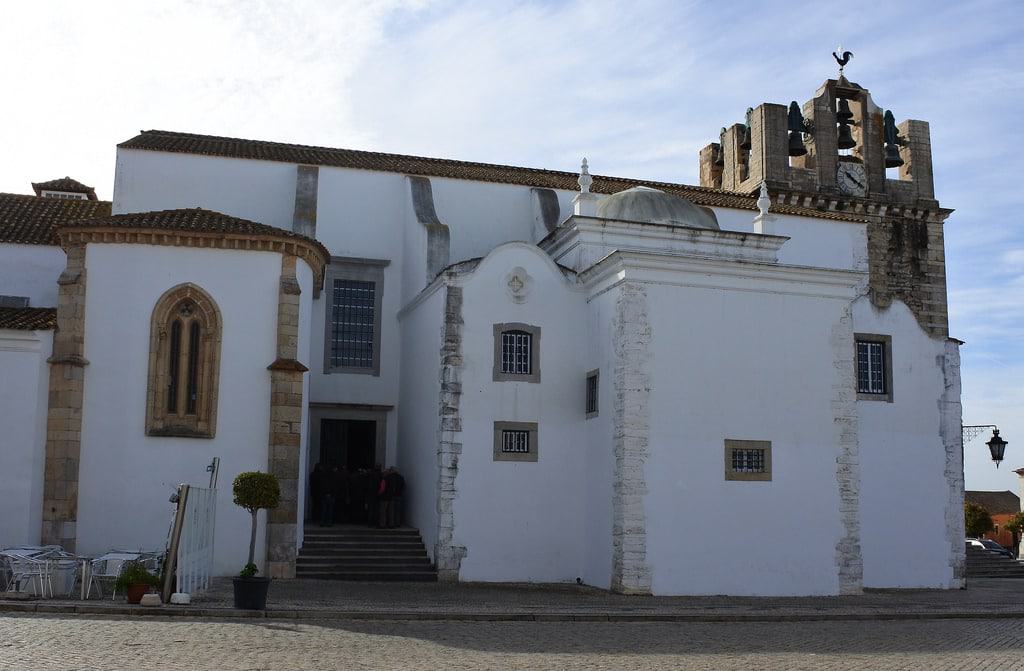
x,y
313,253
285,427
849,560
438,237
632,384
64,413
950,429
202,423
448,556
518,285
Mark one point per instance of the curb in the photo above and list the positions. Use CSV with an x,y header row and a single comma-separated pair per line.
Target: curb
x,y
478,616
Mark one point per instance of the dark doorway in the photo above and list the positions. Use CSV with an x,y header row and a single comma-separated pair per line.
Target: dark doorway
x,y
351,443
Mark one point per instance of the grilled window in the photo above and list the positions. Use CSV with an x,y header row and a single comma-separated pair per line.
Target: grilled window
x,y
871,367
592,393
515,442
516,349
353,322
748,459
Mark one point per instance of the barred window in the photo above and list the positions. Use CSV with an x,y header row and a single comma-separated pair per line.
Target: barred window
x,y
748,459
870,367
516,353
353,323
516,442
874,366
592,377
516,347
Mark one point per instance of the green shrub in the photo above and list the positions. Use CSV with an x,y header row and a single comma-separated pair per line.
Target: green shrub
x,y
253,491
977,521
135,573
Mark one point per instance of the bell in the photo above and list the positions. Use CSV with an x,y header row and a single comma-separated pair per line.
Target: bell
x,y
843,112
846,140
745,139
718,157
796,144
892,156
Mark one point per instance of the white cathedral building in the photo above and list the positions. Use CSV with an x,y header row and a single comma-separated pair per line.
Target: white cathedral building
x,y
745,387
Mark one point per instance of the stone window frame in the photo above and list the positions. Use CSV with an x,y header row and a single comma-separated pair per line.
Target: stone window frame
x,y
203,423
596,376
534,445
359,270
886,341
534,332
732,444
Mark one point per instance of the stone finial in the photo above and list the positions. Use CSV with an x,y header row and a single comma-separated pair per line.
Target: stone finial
x,y
585,179
764,202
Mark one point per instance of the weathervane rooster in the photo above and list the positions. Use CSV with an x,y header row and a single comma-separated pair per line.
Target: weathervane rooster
x,y
842,57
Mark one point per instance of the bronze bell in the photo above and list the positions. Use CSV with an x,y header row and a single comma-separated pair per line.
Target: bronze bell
x,y
843,113
796,144
846,140
892,156
745,140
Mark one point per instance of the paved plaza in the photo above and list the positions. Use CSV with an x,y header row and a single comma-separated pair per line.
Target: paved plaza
x,y
81,643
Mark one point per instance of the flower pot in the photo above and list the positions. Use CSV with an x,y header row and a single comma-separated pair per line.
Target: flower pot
x,y
251,593
136,592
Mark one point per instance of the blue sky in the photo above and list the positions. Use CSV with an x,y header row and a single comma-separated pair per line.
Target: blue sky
x,y
637,87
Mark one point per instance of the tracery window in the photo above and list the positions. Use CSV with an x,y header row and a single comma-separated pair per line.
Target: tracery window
x,y
184,360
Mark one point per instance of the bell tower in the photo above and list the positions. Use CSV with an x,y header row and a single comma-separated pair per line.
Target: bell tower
x,y
831,154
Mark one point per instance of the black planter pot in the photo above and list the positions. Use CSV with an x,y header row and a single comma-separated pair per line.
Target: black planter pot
x,y
251,593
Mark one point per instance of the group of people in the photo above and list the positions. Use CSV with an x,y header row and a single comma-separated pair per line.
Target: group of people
x,y
368,496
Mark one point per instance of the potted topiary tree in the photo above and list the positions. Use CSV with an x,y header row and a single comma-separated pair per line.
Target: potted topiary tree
x,y
254,490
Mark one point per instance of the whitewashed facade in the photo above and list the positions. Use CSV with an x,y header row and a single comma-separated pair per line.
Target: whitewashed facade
x,y
706,334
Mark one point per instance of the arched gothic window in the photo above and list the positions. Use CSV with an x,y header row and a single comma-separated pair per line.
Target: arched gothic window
x,y
184,362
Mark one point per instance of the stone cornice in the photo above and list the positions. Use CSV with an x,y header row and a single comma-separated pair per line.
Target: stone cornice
x,y
860,210
316,258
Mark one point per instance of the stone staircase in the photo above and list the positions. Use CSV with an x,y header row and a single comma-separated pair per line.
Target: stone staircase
x,y
349,552
985,564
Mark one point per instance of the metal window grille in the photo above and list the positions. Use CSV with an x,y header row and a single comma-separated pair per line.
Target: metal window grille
x,y
748,461
871,367
352,324
515,441
516,349
591,394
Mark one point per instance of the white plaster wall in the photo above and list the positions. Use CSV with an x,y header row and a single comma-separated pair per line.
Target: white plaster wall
x,y
903,486
24,393
262,191
418,420
126,476
741,364
599,432
31,270
521,521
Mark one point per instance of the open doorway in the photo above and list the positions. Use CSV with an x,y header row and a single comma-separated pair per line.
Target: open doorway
x,y
350,443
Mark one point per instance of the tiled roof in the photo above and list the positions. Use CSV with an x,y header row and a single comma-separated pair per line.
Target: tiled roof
x,y
64,184
30,220
28,319
210,145
191,220
996,503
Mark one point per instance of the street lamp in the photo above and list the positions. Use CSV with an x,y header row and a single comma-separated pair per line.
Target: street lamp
x,y
996,445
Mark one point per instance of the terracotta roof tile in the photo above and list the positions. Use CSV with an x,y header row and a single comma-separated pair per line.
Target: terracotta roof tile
x,y
191,219
30,220
28,319
996,503
64,184
209,145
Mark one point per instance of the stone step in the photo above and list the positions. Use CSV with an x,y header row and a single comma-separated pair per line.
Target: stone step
x,y
372,576
372,567
367,560
334,532
363,552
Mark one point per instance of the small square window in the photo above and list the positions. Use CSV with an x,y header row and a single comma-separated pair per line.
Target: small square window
x,y
592,388
516,353
515,441
874,367
748,460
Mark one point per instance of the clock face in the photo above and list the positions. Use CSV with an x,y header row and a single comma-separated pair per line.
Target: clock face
x,y
852,179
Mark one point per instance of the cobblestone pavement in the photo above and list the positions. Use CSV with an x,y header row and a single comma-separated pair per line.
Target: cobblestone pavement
x,y
44,643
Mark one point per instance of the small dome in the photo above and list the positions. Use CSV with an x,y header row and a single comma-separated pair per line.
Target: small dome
x,y
652,206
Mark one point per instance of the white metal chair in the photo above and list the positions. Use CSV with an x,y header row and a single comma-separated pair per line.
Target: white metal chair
x,y
29,568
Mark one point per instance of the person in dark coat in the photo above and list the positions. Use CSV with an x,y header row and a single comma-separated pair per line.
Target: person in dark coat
x,y
373,481
357,497
340,489
394,485
327,509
